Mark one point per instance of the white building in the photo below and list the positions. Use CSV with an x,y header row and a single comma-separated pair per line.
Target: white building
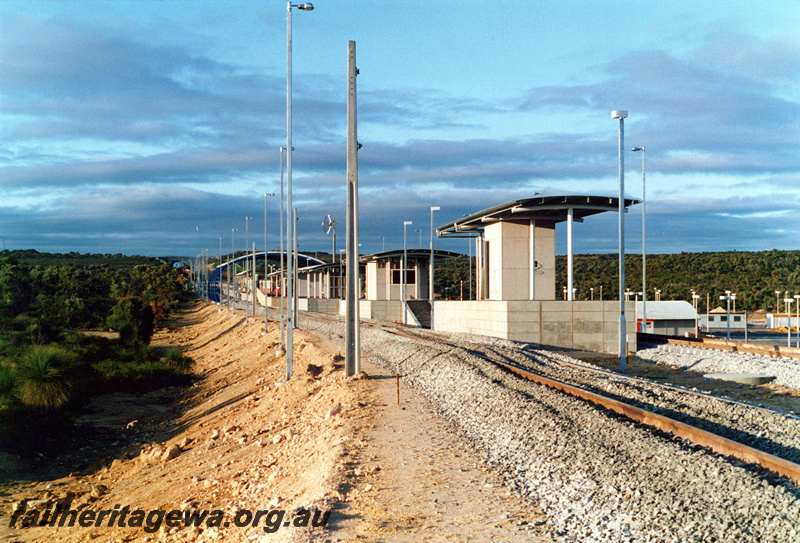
x,y
671,318
717,320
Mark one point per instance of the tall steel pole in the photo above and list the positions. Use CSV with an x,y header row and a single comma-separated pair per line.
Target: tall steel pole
x,y
621,115
430,268
289,220
246,261
644,251
219,280
266,268
233,270
296,258
281,282
797,307
290,223
352,347
404,273
254,286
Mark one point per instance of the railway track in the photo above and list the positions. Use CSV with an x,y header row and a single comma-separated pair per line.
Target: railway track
x,y
749,433
597,475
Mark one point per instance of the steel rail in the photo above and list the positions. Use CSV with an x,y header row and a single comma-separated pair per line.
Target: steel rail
x,y
718,444
703,438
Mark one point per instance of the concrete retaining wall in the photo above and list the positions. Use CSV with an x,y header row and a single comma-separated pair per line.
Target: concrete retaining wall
x,y
591,326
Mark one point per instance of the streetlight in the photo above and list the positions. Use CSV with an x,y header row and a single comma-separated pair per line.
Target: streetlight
x,y
591,292
233,258
219,278
290,224
789,319
341,273
247,260
644,253
621,115
430,278
383,246
419,230
266,266
695,300
728,297
797,306
403,272
777,301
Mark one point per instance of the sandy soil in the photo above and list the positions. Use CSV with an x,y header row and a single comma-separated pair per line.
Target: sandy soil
x,y
241,441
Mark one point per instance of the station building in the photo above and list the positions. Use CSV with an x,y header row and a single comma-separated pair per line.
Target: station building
x,y
516,287
516,280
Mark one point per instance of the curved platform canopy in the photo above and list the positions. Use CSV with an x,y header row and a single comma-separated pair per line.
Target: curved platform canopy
x,y
545,208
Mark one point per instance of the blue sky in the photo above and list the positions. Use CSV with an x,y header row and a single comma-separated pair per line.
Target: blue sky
x,y
154,127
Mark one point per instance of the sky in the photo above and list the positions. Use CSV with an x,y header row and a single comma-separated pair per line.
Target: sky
x,y
154,126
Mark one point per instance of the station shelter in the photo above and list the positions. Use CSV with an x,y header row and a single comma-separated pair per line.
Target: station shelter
x,y
515,246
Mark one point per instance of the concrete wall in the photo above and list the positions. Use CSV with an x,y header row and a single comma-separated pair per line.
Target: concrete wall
x,y
508,247
381,310
590,326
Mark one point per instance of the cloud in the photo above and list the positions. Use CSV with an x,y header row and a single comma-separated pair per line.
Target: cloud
x,y
150,140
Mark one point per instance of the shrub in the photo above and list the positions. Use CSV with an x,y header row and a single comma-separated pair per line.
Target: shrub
x,y
134,320
119,376
7,379
40,376
177,360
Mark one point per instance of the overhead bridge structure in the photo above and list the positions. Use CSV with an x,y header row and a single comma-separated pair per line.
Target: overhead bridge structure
x,y
215,276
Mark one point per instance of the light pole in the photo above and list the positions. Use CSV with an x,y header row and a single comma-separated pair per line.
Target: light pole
x,y
290,224
788,302
233,269
591,293
383,241
403,271
266,266
797,307
728,297
219,279
621,115
341,273
777,302
644,252
247,262
430,277
695,300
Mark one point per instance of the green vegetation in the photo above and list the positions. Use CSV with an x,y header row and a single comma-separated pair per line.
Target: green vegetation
x,y
48,369
753,276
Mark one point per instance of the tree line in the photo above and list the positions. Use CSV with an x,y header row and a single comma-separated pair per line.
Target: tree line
x,y
49,367
753,276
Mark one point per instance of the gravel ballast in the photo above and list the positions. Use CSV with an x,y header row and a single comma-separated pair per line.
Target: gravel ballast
x,y
598,477
785,370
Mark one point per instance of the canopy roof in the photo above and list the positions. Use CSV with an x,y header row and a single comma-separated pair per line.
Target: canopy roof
x,y
546,208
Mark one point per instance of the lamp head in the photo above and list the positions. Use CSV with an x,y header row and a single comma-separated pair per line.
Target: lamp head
x,y
435,208
637,149
308,6
619,114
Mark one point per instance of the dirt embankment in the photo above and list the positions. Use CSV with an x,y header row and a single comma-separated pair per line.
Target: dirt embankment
x,y
236,442
242,441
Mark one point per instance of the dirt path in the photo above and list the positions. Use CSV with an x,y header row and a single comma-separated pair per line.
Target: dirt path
x,y
415,480
240,442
